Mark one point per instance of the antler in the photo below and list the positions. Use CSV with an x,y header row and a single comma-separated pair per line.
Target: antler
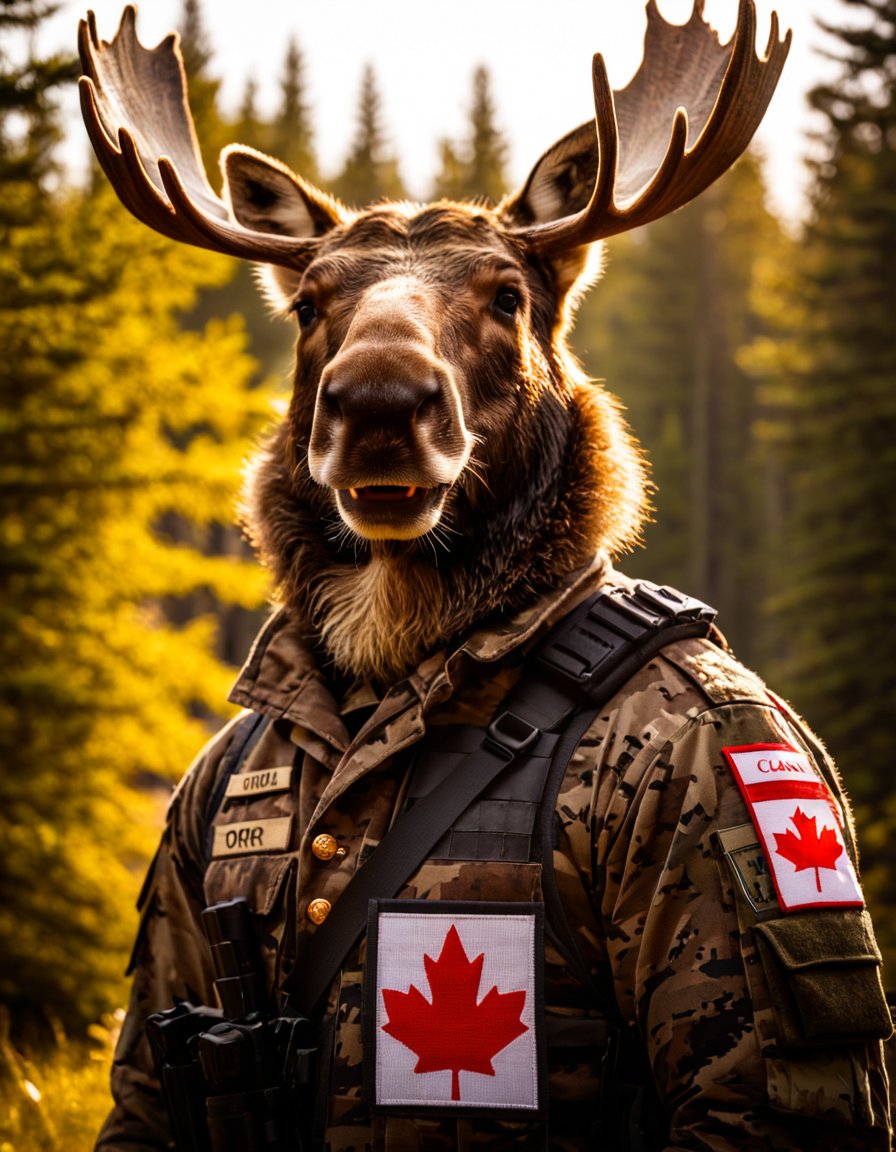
x,y
134,102
715,96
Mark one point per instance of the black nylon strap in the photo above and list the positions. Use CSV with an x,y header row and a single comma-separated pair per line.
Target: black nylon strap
x,y
399,854
576,669
248,731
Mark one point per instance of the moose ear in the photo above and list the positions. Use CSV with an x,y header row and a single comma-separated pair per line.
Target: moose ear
x,y
265,196
559,185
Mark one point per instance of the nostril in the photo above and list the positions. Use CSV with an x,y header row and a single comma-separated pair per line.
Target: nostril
x,y
331,399
429,392
427,406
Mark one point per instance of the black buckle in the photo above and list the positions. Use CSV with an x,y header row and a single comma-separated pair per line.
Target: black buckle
x,y
509,734
673,603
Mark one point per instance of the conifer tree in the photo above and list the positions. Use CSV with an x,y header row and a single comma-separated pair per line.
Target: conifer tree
x,y
665,330
249,127
371,171
832,390
101,397
478,167
271,344
451,181
203,86
292,137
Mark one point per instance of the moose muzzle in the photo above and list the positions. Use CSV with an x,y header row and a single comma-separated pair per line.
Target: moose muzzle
x,y
389,436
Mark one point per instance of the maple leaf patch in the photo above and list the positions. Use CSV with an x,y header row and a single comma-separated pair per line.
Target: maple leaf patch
x,y
798,824
454,1031
809,848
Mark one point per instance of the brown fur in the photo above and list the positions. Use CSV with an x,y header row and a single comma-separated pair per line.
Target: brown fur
x,y
554,475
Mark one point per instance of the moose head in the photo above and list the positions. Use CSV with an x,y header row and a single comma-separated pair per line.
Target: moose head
x,y
444,458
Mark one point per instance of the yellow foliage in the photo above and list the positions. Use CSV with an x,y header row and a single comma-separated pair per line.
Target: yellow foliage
x,y
57,1101
123,436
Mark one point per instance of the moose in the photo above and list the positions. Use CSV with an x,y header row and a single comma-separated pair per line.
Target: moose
x,y
492,804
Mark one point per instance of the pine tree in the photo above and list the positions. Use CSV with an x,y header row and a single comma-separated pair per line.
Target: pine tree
x,y
370,172
451,181
832,388
110,418
249,126
478,168
292,137
26,90
665,329
203,87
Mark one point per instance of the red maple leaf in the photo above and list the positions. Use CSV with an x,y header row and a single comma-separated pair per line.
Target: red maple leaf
x,y
809,848
454,1031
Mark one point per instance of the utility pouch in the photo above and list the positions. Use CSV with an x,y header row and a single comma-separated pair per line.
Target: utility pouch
x,y
823,973
630,1117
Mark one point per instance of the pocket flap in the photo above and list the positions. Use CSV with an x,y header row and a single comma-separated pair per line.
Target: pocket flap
x,y
258,878
823,973
815,939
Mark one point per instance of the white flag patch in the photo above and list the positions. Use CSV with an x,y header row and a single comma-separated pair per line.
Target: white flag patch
x,y
799,826
455,1015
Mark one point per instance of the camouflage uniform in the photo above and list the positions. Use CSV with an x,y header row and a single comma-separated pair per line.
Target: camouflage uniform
x,y
647,810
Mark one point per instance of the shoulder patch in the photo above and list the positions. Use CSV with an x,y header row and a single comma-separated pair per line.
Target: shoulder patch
x,y
799,826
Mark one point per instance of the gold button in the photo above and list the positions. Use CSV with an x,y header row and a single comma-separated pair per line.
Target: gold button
x,y
318,911
324,847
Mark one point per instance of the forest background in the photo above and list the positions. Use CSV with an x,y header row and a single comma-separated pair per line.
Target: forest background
x,y
757,365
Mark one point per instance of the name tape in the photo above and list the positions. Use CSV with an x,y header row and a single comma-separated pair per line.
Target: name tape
x,y
251,836
255,783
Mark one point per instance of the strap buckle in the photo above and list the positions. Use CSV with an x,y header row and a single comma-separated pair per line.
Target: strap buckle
x,y
673,603
509,734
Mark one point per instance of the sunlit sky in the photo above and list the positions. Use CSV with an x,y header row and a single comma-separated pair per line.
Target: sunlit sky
x,y
424,53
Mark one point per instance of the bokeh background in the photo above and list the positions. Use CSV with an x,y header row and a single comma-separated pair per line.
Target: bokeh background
x,y
750,336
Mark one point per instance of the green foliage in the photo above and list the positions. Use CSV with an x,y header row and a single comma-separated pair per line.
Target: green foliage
x,y
370,172
26,89
292,137
249,127
831,393
476,169
111,420
204,87
288,137
664,330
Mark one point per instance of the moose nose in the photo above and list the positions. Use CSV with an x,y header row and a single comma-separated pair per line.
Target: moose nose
x,y
378,402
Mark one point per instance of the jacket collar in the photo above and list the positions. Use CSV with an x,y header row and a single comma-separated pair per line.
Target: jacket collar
x,y
282,678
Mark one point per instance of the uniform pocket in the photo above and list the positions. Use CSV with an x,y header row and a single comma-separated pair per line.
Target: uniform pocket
x,y
823,973
258,878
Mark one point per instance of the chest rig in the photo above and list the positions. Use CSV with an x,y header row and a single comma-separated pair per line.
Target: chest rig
x,y
479,796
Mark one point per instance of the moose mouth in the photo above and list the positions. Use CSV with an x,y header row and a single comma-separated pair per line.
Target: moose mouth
x,y
391,511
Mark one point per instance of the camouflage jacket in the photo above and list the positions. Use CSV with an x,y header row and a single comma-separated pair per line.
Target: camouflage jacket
x,y
762,1028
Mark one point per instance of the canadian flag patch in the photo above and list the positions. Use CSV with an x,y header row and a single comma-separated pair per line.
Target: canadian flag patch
x,y
453,998
799,825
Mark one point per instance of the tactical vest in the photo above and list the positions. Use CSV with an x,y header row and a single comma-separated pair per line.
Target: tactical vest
x,y
450,813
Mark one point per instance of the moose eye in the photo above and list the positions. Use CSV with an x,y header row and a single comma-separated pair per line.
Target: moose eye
x,y
507,301
305,311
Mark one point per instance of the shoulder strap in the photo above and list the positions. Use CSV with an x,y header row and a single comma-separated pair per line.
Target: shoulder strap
x,y
579,665
610,639
247,732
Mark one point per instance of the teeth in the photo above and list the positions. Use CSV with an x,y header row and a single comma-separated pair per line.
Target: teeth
x,y
385,492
